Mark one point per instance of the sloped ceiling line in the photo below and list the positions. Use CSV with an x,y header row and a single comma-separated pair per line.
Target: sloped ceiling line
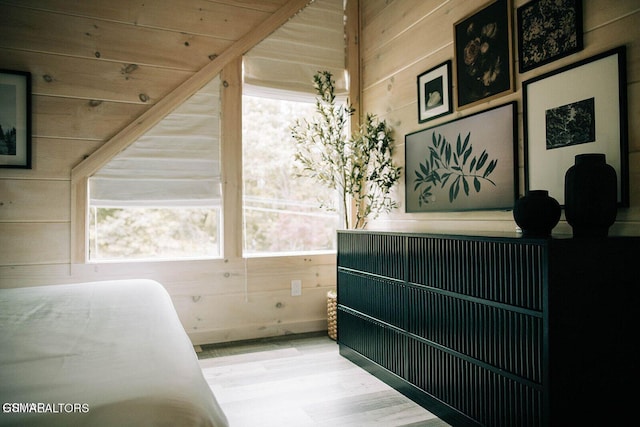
x,y
174,99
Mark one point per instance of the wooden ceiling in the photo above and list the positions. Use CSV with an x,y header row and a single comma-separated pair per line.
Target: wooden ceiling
x,y
101,67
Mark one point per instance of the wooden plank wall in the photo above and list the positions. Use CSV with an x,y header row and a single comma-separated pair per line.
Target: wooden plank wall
x,y
403,38
97,66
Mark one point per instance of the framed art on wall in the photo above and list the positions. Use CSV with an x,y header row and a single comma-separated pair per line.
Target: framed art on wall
x,y
465,164
434,92
563,118
548,30
483,54
15,119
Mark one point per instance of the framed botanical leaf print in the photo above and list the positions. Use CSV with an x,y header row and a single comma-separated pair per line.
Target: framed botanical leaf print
x,y
465,164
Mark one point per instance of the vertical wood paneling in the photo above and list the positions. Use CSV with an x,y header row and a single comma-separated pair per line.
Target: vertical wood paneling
x,y
466,327
490,269
389,251
231,156
469,313
366,294
374,340
481,394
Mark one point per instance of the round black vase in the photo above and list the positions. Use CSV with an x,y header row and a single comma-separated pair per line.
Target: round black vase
x,y
536,213
591,196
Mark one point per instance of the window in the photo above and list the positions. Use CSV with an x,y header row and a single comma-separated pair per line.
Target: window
x,y
282,212
136,233
160,198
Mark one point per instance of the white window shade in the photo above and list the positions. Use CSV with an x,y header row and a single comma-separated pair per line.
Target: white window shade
x,y
176,163
311,41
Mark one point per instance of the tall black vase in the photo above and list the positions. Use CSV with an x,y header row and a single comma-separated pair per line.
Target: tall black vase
x,y
591,196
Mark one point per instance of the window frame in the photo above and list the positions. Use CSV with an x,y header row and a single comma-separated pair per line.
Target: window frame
x,y
290,96
98,260
230,71
229,65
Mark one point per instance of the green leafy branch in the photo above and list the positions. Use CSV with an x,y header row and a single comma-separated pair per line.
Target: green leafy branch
x,y
452,166
372,171
358,164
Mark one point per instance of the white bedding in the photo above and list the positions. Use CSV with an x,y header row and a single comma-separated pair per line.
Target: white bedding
x,y
99,354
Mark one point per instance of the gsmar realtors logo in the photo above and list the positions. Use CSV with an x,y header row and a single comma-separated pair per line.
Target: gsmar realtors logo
x,y
44,408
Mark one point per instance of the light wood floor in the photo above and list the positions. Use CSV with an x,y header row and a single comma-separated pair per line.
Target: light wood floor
x,y
303,381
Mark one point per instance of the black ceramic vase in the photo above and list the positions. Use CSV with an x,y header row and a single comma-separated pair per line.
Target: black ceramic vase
x,y
591,196
536,213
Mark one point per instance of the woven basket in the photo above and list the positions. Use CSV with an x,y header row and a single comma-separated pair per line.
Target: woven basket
x,y
332,315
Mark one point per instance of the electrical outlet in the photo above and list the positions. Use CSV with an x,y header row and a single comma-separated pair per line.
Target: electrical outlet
x,y
296,288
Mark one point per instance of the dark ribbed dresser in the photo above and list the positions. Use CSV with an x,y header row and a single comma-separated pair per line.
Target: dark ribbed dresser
x,y
493,330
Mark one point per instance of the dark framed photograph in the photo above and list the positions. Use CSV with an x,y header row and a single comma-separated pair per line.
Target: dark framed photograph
x,y
465,164
563,119
434,92
483,54
548,30
15,119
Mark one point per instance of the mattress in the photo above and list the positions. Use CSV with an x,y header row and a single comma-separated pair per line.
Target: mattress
x,y
99,354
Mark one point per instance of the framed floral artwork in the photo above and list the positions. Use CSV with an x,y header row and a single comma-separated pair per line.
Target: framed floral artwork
x,y
465,164
434,92
15,119
548,30
483,54
563,119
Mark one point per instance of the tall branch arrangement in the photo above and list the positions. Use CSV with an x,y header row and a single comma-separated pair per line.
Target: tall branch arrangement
x,y
359,166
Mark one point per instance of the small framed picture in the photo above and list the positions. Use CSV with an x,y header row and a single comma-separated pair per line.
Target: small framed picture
x,y
434,92
15,119
483,54
563,118
548,30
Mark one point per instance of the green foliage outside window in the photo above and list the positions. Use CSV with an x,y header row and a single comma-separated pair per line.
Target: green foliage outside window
x,y
281,213
153,233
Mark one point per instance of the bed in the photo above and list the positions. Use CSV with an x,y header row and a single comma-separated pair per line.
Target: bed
x,y
96,354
